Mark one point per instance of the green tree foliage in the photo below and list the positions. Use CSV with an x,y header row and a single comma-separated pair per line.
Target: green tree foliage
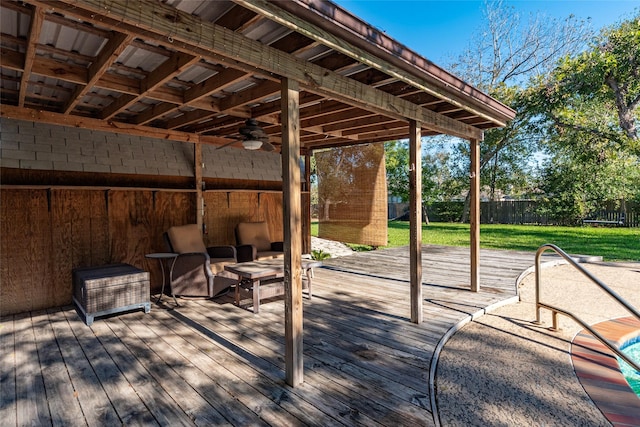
x,y
609,73
587,111
436,176
397,165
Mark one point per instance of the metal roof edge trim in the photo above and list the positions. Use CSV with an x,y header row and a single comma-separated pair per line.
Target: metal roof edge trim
x,y
343,23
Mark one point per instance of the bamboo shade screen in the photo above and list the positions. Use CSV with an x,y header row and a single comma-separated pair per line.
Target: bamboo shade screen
x,y
352,194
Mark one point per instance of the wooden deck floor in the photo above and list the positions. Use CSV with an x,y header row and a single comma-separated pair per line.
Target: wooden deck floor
x,y
212,363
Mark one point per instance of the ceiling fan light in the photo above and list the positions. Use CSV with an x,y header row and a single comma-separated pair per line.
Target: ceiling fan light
x,y
251,144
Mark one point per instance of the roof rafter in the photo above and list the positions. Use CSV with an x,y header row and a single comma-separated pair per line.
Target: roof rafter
x,y
35,27
161,23
351,36
116,44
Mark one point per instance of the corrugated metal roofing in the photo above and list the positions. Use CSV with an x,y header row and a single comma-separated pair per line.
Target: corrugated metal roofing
x,y
196,91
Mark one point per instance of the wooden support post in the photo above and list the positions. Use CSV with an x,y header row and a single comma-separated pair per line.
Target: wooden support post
x,y
474,214
292,231
197,173
415,220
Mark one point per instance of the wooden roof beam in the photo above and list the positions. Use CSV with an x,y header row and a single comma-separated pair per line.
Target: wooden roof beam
x,y
171,67
18,113
156,20
253,94
187,118
35,28
335,28
116,44
214,83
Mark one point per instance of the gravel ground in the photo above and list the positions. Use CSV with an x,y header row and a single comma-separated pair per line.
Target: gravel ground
x,y
336,249
503,370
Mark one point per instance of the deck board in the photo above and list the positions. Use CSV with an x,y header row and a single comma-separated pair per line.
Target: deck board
x,y
31,398
92,398
8,373
65,408
209,362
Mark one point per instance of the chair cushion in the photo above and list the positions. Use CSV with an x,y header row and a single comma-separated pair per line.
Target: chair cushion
x,y
254,233
186,238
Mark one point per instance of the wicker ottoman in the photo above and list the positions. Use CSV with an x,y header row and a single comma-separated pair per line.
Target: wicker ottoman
x,y
98,291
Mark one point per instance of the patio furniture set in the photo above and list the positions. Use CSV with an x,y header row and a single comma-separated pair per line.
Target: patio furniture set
x,y
254,268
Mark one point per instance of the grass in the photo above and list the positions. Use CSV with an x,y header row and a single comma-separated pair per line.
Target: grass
x,y
612,243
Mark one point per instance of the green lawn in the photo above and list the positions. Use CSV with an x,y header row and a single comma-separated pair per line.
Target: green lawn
x,y
612,243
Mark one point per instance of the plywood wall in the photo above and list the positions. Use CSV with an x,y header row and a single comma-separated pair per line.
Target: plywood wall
x,y
224,210
48,232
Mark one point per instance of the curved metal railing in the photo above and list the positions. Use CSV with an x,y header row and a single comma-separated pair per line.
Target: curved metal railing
x,y
556,310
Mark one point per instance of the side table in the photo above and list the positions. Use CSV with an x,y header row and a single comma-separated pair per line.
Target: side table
x,y
161,257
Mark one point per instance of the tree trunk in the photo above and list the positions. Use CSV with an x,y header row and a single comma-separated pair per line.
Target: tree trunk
x,y
625,112
465,209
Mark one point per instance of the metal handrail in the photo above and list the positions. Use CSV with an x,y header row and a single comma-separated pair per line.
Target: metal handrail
x,y
556,310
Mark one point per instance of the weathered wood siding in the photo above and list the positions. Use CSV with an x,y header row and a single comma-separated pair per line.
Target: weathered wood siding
x,y
48,232
225,209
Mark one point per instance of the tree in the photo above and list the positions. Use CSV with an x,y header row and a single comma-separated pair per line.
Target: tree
x,y
500,60
397,164
436,176
511,48
607,73
587,111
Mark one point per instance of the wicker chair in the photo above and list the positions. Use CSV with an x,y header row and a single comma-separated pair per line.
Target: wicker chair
x,y
199,270
254,242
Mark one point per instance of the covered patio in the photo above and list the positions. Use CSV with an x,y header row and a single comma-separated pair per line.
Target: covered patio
x,y
209,362
122,118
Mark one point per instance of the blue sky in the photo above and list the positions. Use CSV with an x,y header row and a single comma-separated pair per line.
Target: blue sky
x,y
440,30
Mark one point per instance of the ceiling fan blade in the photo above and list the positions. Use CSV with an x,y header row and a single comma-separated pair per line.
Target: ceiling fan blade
x,y
267,146
225,145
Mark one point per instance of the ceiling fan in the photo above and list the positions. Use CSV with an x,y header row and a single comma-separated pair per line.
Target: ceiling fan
x,y
254,136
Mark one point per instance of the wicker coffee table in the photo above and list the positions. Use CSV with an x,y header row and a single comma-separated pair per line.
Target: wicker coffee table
x,y
265,279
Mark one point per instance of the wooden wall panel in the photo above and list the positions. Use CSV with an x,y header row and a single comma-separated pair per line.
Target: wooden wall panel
x,y
216,218
79,235
98,215
169,209
131,226
26,251
41,249
270,209
224,210
65,243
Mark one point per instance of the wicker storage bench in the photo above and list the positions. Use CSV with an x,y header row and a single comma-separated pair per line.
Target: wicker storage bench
x,y
98,291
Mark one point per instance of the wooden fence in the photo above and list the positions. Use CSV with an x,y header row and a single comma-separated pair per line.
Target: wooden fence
x,y
519,212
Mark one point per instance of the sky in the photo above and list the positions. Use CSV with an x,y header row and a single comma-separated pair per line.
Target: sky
x,y
440,30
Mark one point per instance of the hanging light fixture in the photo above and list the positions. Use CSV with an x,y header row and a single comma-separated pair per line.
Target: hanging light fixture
x,y
251,144
255,136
